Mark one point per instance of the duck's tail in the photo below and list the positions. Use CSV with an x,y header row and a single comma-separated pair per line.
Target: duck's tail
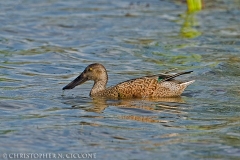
x,y
185,84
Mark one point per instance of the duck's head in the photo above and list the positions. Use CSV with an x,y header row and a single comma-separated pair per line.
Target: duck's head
x,y
95,72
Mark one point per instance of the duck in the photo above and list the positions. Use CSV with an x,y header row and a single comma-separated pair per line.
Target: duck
x,y
161,85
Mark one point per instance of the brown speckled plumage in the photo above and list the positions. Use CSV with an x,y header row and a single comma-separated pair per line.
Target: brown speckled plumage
x,y
160,85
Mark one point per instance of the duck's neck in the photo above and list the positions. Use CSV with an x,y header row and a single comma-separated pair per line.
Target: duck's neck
x,y
98,87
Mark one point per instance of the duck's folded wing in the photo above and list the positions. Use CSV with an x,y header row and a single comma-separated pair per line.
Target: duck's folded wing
x,y
166,77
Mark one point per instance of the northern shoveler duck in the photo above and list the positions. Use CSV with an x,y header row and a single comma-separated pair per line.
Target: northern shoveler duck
x,y
159,85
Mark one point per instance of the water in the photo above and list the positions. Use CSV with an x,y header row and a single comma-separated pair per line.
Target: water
x,y
46,44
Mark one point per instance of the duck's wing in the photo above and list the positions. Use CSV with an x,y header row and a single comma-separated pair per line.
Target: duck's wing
x,y
159,77
166,77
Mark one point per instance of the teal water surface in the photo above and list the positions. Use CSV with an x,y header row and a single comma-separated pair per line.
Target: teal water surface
x,y
46,44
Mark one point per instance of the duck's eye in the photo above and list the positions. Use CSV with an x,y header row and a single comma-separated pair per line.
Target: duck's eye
x,y
90,69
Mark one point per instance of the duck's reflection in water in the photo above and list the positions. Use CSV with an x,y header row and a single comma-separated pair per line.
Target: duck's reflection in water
x,y
146,110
